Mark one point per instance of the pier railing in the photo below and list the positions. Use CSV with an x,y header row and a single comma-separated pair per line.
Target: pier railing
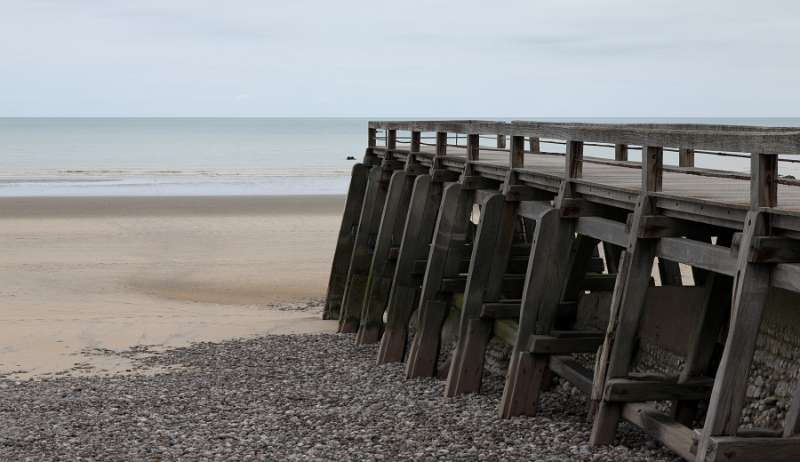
x,y
525,266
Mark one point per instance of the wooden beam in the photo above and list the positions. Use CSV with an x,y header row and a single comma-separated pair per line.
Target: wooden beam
x,y
763,180
749,301
420,220
501,141
473,147
660,426
416,141
574,159
441,144
517,153
621,152
534,145
545,344
686,157
736,449
696,253
635,390
372,137
652,168
391,140
603,229
498,310
573,372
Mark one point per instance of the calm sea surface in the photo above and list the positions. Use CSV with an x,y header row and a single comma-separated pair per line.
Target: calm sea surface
x,y
211,156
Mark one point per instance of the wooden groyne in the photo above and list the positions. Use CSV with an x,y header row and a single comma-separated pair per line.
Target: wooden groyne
x,y
478,218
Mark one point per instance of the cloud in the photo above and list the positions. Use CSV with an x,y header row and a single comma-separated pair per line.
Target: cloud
x,y
426,58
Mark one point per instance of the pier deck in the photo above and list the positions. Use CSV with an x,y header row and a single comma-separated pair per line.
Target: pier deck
x,y
519,243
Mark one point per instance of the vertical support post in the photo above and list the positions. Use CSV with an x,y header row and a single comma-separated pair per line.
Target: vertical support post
x,y
517,153
620,152
763,180
685,157
751,290
446,253
372,135
473,147
441,144
534,144
391,139
487,266
627,304
501,141
381,270
547,270
416,141
652,168
419,226
574,155
346,240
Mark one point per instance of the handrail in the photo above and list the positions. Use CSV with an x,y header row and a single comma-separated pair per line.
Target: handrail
x,y
733,138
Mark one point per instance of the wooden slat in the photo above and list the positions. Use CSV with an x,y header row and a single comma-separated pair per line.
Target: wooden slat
x,y
736,449
500,310
603,229
661,427
573,372
695,253
543,344
634,390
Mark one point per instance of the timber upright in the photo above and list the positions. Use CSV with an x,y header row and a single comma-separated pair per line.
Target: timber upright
x,y
504,242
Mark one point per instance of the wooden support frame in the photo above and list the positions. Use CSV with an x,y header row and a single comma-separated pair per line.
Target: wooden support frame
x,y
381,273
346,240
446,252
417,234
488,264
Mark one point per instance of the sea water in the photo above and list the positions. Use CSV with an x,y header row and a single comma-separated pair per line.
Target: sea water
x,y
217,156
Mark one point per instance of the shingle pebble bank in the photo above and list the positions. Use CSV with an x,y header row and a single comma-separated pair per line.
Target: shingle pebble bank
x,y
287,397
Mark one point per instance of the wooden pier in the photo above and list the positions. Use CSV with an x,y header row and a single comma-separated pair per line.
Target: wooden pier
x,y
477,218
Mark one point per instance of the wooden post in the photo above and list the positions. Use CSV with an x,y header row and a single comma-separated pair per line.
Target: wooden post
x,y
574,155
417,233
346,240
473,147
620,152
416,141
716,309
627,306
379,279
369,220
517,153
547,270
751,289
652,168
487,266
763,180
446,253
441,144
685,157
501,141
371,137
534,144
391,139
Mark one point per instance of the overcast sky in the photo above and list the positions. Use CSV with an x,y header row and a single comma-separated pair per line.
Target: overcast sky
x,y
556,58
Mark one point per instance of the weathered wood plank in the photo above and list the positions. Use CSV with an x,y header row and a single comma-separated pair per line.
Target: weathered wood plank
x,y
751,287
345,241
634,390
446,253
573,372
673,435
381,273
417,235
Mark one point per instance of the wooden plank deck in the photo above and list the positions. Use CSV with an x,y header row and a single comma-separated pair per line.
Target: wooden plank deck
x,y
698,188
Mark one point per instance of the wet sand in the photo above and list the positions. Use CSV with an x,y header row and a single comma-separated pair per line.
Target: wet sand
x,y
80,275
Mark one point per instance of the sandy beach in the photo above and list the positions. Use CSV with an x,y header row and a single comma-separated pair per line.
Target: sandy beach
x,y
86,274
